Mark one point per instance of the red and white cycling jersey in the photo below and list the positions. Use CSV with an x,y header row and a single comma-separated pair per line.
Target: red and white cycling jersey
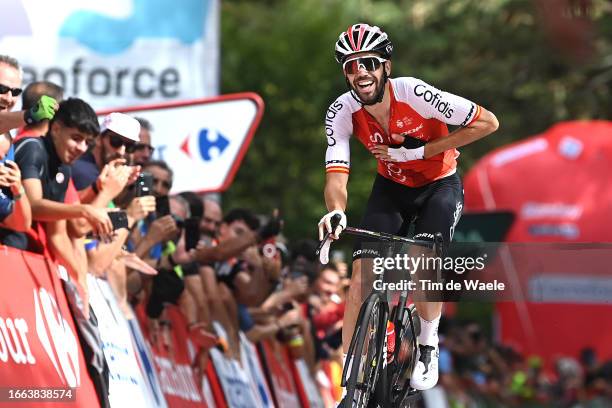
x,y
417,110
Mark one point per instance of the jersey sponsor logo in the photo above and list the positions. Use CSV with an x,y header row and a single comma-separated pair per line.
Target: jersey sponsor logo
x,y
468,118
424,236
376,138
405,121
435,100
330,115
413,132
332,162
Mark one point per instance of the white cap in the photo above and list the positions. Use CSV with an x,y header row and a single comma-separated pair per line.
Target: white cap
x,y
123,125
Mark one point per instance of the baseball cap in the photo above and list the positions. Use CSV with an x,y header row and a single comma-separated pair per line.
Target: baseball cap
x,y
123,125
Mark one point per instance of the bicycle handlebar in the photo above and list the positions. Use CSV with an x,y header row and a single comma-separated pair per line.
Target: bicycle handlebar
x,y
379,236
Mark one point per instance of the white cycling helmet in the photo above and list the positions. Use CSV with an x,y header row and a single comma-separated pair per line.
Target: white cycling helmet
x,y
363,37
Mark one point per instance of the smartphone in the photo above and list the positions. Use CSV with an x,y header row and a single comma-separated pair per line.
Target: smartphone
x,y
192,232
162,206
119,219
144,184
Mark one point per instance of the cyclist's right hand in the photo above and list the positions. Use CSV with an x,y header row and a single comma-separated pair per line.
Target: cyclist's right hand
x,y
325,225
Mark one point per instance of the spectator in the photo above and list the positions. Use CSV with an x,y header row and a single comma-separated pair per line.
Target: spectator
x,y
211,220
29,100
15,213
143,150
155,231
10,89
119,133
45,169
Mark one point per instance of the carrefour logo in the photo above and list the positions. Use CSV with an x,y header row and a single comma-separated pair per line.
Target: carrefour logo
x,y
210,144
150,19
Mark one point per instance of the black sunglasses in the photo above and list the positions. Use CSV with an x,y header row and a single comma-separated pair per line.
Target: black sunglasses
x,y
370,64
142,146
117,141
14,91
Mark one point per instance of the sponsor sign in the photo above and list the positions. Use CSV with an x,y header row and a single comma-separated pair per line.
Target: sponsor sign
x,y
204,140
116,52
39,345
256,376
172,361
126,379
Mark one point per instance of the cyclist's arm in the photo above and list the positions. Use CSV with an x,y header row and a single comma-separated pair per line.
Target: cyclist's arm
x,y
485,124
335,191
338,127
475,121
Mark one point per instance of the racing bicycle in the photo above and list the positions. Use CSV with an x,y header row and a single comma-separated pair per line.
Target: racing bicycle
x,y
366,373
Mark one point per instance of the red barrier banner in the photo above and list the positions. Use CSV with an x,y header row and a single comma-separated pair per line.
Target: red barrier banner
x,y
173,361
283,385
39,346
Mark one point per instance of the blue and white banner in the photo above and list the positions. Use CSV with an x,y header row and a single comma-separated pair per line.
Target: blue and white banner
x,y
116,52
127,384
147,366
257,378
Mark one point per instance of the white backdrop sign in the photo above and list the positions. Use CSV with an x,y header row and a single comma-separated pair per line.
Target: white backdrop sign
x,y
203,140
116,52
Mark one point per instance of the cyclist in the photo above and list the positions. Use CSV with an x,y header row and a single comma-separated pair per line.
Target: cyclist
x,y
403,122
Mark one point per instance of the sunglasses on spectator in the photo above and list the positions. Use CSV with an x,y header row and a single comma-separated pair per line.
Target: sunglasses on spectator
x,y
370,64
14,91
165,183
210,220
117,141
142,146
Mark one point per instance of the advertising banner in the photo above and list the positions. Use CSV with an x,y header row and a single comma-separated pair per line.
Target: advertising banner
x,y
173,360
127,384
204,140
116,52
555,183
147,366
39,346
283,384
257,378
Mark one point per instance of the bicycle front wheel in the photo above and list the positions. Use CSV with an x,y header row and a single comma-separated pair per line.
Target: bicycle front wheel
x,y
366,358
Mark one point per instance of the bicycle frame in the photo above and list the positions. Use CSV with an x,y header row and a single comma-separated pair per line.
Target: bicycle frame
x,y
398,319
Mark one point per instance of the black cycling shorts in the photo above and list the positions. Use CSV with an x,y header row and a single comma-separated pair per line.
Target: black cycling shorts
x,y
392,207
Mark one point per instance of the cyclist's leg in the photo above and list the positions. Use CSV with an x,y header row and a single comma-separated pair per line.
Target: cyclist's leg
x,y
382,214
440,212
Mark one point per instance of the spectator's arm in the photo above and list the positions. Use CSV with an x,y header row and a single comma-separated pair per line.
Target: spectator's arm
x,y
227,249
263,331
70,253
48,210
20,218
287,294
102,256
11,120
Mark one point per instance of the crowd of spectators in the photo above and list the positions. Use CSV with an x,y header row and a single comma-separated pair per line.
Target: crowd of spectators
x,y
94,198
476,372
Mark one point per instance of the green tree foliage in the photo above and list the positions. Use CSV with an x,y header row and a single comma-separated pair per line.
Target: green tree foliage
x,y
493,52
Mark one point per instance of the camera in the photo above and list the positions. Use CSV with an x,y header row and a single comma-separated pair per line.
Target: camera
x,y
144,185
